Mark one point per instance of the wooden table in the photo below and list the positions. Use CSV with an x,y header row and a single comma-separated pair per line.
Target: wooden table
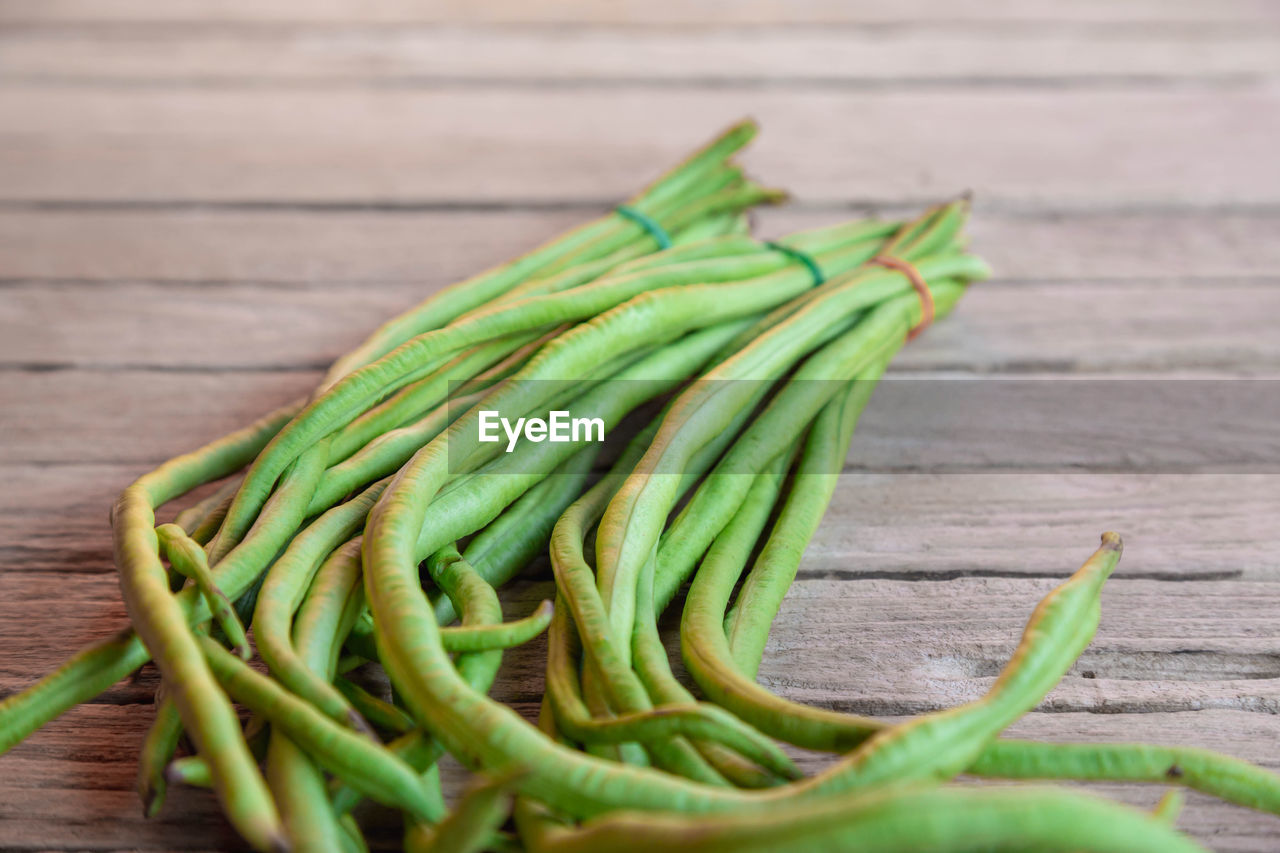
x,y
202,203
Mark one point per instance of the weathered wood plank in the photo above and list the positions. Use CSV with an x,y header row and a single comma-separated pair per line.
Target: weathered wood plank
x,y
943,524
438,247
1079,150
914,648
872,646
896,525
879,647
1162,646
1147,293
105,426
545,57
892,647
1205,325
717,12
240,326
433,247
39,431
71,786
185,407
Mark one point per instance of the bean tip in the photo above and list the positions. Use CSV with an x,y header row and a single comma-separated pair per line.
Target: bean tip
x,y
1111,541
152,800
746,126
772,195
788,772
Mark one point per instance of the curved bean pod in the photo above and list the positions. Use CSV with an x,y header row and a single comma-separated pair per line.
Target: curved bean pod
x,y
189,770
814,483
506,545
201,520
650,658
420,397
355,392
382,714
452,302
477,670
319,544
655,674
323,620
95,668
631,526
666,313
470,827
188,559
507,635
941,745
940,820
624,690
206,713
660,722
154,758
371,768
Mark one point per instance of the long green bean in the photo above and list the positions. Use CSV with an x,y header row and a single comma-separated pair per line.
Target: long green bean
x,y
812,487
580,244
373,769
939,820
158,748
355,525
323,620
97,667
632,525
187,557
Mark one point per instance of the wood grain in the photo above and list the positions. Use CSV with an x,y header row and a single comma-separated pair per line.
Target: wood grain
x,y
57,774
201,203
41,427
1088,327
889,647
431,248
335,57
713,13
928,423
916,650
1076,150
890,524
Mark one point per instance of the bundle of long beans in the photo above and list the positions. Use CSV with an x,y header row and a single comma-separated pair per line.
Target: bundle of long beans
x,y
352,528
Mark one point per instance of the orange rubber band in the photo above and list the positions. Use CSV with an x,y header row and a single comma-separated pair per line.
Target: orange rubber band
x,y
917,281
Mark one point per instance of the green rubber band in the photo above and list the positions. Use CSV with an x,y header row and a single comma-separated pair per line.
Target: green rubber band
x,y
656,231
803,257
